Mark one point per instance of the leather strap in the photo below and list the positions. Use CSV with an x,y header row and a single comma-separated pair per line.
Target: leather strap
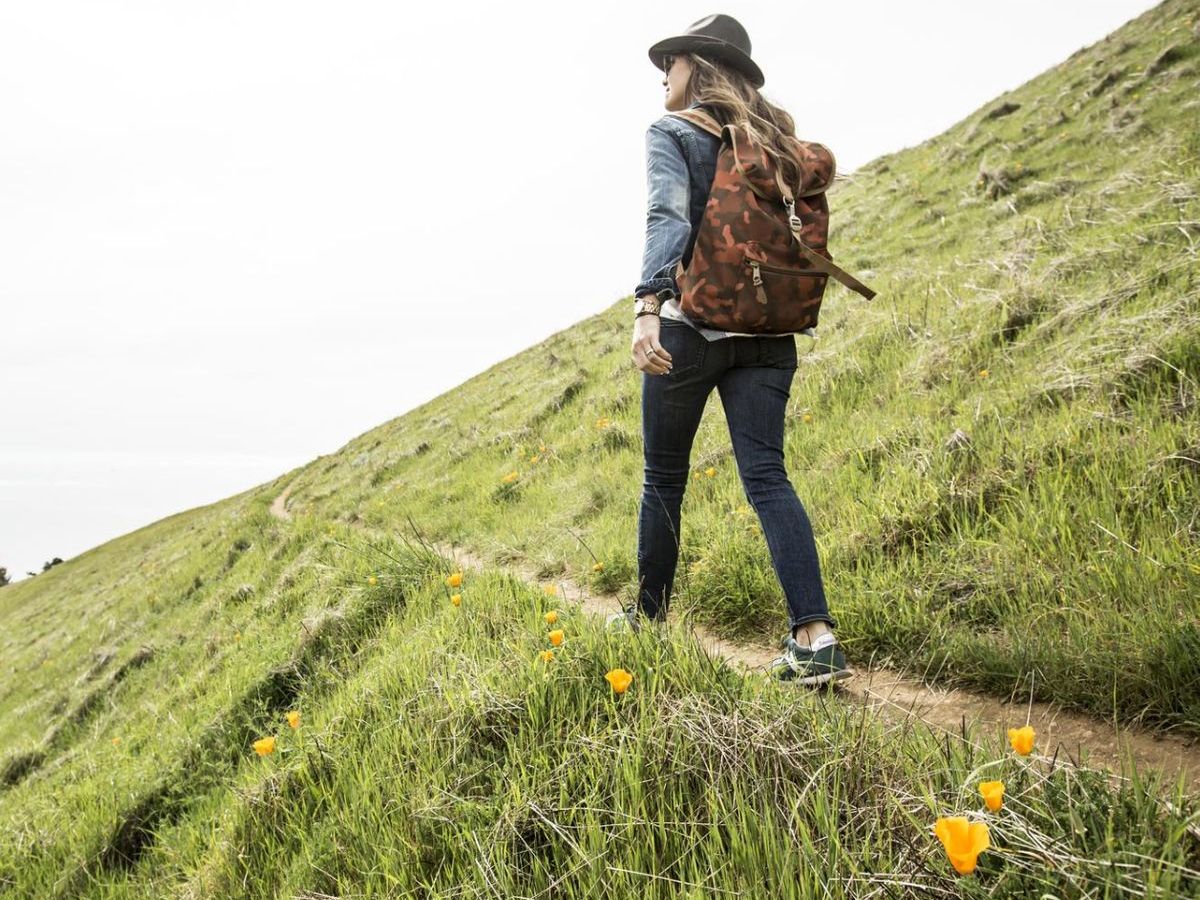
x,y
829,267
700,118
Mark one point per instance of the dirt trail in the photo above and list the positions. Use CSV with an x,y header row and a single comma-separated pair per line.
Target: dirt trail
x,y
279,504
898,696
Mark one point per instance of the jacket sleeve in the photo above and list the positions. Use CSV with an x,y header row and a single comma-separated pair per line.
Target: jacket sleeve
x,y
668,225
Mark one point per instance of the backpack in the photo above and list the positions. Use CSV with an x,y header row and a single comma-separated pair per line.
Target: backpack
x,y
759,263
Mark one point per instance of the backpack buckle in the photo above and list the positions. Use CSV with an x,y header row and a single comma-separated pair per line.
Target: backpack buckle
x,y
793,219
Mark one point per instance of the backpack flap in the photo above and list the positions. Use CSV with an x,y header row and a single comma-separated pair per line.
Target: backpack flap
x,y
817,166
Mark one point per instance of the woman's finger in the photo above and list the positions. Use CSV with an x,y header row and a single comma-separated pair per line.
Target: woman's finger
x,y
655,364
660,351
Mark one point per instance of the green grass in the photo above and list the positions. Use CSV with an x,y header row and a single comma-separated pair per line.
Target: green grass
x,y
438,755
1050,547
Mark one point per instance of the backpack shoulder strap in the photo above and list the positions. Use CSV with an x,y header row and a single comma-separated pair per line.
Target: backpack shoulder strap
x,y
700,119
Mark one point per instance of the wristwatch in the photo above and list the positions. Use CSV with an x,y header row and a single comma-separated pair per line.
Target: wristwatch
x,y
647,305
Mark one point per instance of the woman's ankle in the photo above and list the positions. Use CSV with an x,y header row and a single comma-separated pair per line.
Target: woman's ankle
x,y
808,632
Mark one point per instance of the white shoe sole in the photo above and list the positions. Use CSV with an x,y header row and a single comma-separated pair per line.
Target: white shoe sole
x,y
817,680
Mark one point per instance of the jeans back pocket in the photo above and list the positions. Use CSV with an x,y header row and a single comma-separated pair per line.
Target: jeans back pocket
x,y
685,344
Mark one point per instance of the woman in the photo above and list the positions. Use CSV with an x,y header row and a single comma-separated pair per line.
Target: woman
x,y
710,66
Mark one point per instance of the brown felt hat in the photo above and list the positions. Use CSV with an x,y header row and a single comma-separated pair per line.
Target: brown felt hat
x,y
717,36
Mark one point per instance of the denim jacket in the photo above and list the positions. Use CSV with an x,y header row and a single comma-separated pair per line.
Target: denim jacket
x,y
681,161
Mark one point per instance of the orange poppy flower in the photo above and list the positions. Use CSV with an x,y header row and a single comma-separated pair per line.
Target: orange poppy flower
x,y
551,617
963,841
455,579
293,719
556,637
619,679
263,746
1021,739
993,794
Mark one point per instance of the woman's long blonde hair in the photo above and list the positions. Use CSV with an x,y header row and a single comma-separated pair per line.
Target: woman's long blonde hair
x,y
734,99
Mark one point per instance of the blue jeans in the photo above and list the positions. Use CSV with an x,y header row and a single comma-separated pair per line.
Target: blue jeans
x,y
753,377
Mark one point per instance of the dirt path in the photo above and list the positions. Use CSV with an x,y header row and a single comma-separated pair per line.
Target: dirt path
x,y
899,697
279,504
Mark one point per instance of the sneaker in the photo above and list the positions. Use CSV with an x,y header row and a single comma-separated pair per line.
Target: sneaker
x,y
821,663
625,620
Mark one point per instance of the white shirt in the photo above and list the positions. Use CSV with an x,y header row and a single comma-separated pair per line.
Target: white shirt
x,y
670,310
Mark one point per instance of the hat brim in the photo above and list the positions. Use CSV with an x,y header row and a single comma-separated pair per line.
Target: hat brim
x,y
707,46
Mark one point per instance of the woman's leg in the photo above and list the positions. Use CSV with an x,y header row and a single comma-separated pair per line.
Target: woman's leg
x,y
754,394
672,406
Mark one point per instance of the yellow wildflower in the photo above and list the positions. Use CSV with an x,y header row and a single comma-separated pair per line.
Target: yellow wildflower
x,y
556,637
1021,739
619,679
263,746
551,617
455,579
597,567
511,477
710,471
963,840
551,590
293,719
372,580
456,599
547,655
993,794
983,373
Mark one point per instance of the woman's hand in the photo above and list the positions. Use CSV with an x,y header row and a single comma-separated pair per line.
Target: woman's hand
x,y
648,353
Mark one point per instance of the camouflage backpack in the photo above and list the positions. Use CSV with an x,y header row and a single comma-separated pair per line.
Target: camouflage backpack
x,y
759,264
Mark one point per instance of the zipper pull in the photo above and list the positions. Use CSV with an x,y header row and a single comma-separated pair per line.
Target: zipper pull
x,y
757,274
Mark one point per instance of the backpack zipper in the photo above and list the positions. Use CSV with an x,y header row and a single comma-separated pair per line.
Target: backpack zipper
x,y
755,266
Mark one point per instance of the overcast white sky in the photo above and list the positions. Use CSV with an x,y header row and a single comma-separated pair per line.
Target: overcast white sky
x,y
235,235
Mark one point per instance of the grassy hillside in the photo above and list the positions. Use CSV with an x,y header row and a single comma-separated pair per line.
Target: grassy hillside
x,y
1001,457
